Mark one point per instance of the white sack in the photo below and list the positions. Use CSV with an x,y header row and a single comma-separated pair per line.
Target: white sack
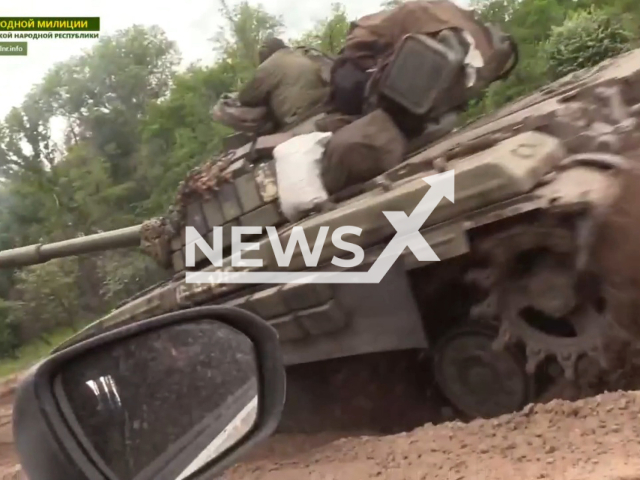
x,y
298,169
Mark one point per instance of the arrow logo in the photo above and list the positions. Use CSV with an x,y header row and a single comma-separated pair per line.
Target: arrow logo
x,y
407,236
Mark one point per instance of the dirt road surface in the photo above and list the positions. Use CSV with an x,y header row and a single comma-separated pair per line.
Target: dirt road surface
x,y
592,439
9,466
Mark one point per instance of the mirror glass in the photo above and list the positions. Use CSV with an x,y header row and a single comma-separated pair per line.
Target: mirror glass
x,y
163,403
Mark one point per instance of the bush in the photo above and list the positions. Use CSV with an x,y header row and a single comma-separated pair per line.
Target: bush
x,y
9,331
45,299
587,38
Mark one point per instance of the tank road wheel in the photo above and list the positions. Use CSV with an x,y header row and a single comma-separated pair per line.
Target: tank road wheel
x,y
530,284
478,380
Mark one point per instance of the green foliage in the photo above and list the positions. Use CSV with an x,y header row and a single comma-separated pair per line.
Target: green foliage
x,y
586,38
9,329
328,35
542,26
88,183
240,39
46,297
30,353
179,133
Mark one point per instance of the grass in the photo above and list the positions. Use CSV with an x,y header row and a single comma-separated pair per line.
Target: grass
x,y
32,353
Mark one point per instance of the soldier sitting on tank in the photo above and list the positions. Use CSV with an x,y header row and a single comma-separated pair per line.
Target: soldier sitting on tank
x,y
289,83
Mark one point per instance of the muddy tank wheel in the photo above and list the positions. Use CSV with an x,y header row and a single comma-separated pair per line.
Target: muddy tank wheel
x,y
478,380
530,284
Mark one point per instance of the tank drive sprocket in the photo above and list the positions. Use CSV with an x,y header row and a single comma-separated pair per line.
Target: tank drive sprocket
x,y
529,278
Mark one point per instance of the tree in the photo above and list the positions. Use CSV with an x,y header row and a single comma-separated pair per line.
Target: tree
x,y
180,133
104,93
330,34
55,192
46,297
238,42
9,330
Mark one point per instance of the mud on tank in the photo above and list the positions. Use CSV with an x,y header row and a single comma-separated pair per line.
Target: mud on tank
x,y
534,296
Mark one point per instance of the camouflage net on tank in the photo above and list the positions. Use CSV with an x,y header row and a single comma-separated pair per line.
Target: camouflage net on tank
x,y
155,240
201,182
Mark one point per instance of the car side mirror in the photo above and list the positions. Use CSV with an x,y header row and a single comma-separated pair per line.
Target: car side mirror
x,y
178,397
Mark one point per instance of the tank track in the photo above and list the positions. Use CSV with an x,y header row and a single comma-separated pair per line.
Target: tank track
x,y
585,336
529,295
530,279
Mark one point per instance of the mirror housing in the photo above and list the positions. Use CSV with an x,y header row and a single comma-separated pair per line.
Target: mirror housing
x,y
53,420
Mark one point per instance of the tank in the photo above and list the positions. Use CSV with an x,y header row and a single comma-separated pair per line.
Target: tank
x,y
533,298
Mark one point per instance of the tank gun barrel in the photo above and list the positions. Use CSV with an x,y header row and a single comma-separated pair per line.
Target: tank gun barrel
x,y
41,253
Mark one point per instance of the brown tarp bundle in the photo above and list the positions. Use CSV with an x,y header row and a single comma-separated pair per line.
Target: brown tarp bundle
x,y
373,39
376,35
361,151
